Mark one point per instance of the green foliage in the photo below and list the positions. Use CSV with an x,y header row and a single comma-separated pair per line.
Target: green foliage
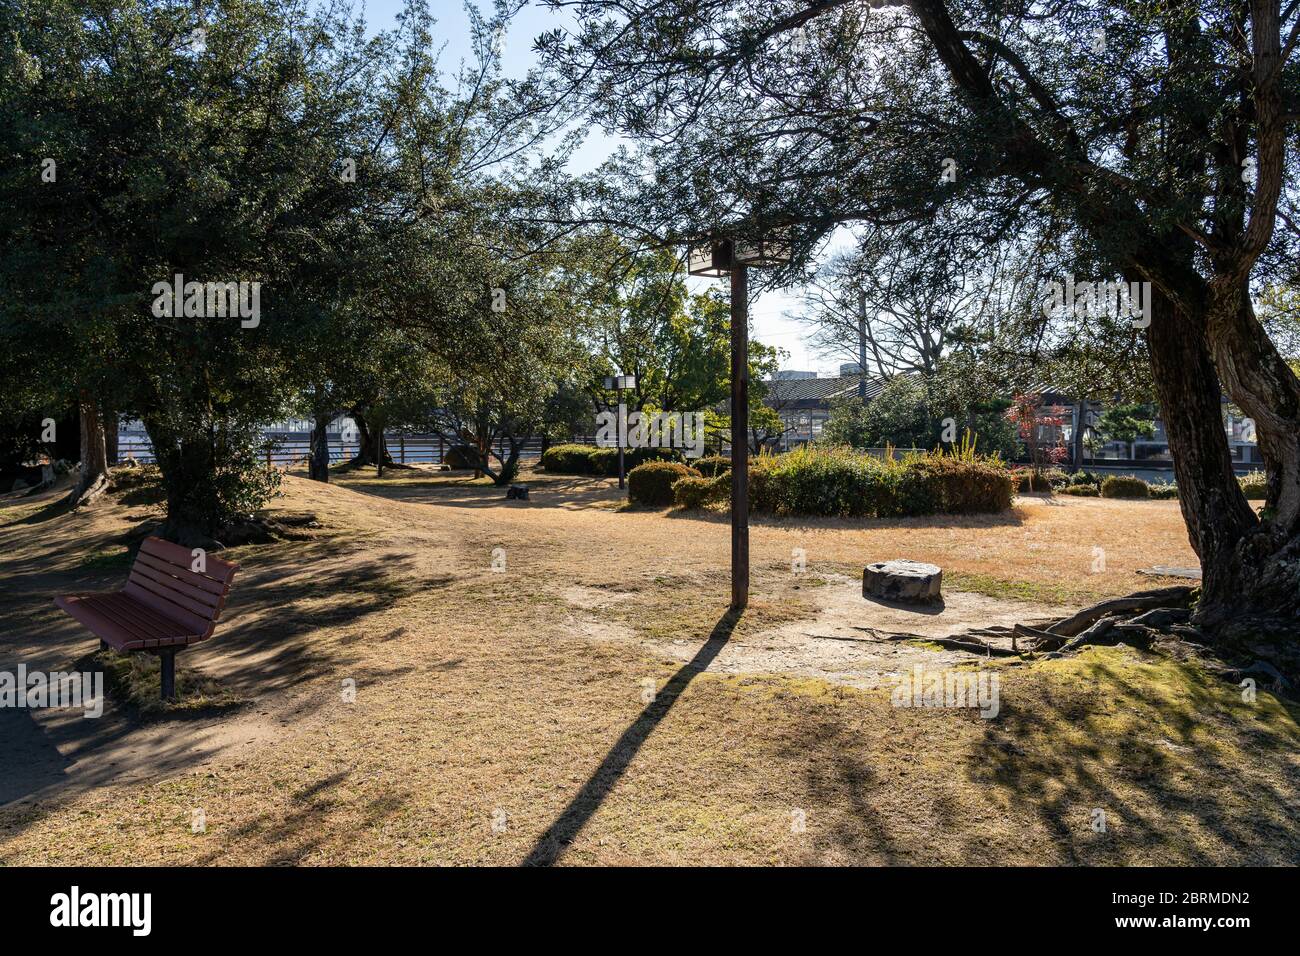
x,y
1254,485
712,465
843,483
697,492
1125,486
460,457
1044,480
910,413
1127,423
1081,491
652,483
1164,490
568,459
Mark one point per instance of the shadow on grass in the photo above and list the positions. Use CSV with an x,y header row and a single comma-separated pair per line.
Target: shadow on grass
x,y
553,843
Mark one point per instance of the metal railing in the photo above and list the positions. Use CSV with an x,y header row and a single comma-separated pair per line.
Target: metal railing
x,y
290,451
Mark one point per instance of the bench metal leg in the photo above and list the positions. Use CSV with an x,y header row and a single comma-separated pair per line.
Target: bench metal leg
x,y
167,657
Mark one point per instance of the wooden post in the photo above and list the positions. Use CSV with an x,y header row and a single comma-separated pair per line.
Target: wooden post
x,y
739,438
401,448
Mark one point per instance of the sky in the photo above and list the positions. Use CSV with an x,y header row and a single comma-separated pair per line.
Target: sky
x,y
769,314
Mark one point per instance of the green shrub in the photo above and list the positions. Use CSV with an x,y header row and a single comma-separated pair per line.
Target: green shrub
x,y
1029,479
1081,491
944,485
652,483
1125,486
842,483
698,492
712,465
459,457
639,456
1254,485
1085,478
568,459
604,461
1164,490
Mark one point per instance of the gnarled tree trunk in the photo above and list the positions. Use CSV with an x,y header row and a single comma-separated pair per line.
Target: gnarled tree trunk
x,y
318,463
92,480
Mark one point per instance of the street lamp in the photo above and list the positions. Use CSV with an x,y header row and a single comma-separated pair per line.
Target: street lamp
x,y
714,258
617,383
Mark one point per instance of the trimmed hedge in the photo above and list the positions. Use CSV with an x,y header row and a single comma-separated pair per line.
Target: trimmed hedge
x,y
460,457
698,492
652,483
1049,480
842,483
1254,485
595,460
568,459
1163,490
1125,486
712,465
1081,491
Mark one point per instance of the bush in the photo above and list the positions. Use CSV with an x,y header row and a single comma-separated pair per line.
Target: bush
x,y
460,457
1125,486
1084,478
713,465
604,461
1081,491
954,486
698,492
1029,479
1164,490
652,483
1254,485
568,459
841,483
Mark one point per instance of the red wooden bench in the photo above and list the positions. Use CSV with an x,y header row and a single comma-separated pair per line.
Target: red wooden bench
x,y
164,608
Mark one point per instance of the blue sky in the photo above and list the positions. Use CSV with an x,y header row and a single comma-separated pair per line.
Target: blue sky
x,y
767,314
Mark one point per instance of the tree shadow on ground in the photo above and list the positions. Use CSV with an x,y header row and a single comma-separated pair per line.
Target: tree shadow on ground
x,y
555,841
1181,778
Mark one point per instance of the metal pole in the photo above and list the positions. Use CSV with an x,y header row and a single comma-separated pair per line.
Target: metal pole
x,y
622,426
739,438
862,347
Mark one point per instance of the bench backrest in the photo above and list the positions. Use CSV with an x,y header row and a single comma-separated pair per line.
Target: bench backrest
x,y
163,578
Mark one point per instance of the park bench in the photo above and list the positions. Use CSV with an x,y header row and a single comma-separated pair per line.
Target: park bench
x,y
165,607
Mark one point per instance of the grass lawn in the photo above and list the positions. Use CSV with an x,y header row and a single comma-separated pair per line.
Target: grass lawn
x,y
591,703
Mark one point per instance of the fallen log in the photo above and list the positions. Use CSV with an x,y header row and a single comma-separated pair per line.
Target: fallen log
x,y
1076,624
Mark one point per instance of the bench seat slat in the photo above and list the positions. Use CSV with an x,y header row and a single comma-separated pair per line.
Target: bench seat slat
x,y
197,623
177,556
199,581
123,622
164,585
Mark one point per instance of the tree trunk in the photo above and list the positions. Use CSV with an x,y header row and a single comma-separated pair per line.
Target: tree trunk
x,y
187,465
318,463
110,435
92,480
1217,514
371,450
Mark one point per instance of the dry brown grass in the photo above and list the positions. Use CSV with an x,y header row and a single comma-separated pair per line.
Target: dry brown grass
x,y
481,693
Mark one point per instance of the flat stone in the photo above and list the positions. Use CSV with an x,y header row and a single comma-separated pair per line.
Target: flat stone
x,y
908,581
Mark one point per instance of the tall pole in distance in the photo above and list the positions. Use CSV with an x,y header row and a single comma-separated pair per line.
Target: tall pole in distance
x,y
622,437
739,438
862,347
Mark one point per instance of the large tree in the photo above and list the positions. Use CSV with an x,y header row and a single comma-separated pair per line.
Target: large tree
x,y
1159,138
